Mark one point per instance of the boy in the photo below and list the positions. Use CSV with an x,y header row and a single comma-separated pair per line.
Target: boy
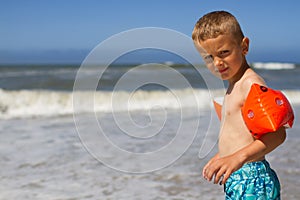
x,y
240,163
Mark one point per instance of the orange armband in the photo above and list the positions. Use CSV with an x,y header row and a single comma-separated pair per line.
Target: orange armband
x,y
218,109
266,110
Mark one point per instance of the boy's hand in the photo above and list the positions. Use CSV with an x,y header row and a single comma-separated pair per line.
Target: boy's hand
x,y
225,166
221,168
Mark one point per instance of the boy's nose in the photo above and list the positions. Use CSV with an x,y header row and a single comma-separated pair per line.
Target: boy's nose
x,y
218,62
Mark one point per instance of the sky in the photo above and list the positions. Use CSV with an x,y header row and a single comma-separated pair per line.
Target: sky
x,y
65,31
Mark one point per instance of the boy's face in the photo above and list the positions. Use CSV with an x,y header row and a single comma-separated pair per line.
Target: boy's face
x,y
224,55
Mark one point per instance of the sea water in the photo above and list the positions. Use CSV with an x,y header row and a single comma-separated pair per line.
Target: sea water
x,y
49,150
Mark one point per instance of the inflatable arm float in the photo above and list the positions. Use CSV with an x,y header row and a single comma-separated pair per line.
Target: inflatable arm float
x,y
265,110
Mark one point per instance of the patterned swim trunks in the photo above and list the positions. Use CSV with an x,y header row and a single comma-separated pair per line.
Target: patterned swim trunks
x,y
255,180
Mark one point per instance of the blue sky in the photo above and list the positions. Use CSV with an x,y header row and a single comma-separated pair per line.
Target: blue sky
x,y
41,31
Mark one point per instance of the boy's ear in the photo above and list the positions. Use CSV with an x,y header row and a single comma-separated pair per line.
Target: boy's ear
x,y
245,45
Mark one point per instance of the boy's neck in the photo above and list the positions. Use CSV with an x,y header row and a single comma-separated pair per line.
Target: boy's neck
x,y
238,75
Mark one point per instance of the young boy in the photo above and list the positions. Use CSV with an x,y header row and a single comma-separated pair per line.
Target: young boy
x,y
240,163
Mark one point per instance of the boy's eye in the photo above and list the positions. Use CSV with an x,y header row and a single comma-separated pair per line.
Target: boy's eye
x,y
223,53
208,57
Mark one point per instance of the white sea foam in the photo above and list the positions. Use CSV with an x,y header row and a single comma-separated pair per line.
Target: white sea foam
x,y
273,65
33,103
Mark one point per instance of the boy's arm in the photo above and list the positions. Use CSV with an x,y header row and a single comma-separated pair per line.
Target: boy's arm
x,y
225,166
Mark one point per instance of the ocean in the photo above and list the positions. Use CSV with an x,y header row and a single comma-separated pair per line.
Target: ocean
x,y
123,132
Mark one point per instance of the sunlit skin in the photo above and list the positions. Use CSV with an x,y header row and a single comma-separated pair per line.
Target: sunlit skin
x,y
226,58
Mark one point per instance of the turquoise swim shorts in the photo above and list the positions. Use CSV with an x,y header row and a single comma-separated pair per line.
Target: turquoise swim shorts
x,y
255,180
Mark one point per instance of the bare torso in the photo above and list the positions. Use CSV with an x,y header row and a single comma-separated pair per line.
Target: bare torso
x,y
234,134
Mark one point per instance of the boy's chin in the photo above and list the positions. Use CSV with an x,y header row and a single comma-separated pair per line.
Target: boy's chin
x,y
218,75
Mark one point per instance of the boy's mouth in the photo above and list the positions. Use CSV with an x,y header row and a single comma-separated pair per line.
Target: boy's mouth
x,y
223,70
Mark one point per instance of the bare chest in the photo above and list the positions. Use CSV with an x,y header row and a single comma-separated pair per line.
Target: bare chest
x,y
232,105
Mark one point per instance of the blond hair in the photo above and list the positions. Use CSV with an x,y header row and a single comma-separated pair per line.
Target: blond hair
x,y
217,23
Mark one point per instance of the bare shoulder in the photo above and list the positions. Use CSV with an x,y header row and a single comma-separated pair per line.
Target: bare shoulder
x,y
250,77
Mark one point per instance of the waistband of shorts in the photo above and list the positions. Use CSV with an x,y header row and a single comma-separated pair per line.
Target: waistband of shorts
x,y
252,170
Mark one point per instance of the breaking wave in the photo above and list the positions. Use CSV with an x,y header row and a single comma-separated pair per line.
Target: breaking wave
x,y
35,103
